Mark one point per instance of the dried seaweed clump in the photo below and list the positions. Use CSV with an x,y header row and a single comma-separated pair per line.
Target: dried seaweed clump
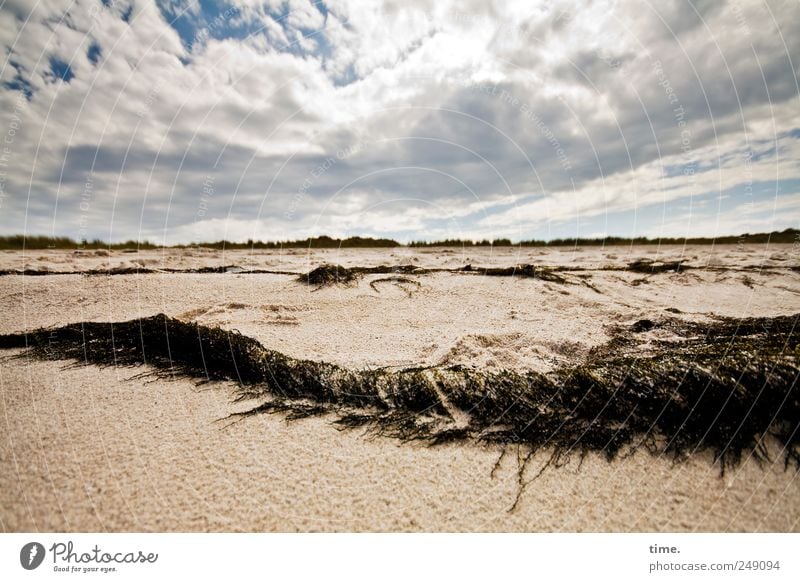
x,y
723,386
329,274
527,271
407,285
654,267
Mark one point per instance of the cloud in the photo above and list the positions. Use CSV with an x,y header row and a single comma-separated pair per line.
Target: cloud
x,y
414,119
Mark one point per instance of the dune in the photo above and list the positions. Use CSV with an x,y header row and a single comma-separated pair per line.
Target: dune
x,y
95,441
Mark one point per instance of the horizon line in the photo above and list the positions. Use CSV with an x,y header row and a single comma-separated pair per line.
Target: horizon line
x,y
21,242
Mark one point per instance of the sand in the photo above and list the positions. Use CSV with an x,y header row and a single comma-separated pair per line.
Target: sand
x,y
88,448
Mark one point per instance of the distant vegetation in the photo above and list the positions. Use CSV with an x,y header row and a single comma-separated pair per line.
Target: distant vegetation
x,y
18,242
317,242
455,242
789,235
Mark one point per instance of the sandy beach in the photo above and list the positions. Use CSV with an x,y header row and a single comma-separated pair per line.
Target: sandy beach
x,y
87,448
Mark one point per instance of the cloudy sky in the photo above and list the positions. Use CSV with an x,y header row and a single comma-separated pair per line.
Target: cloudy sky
x,y
199,120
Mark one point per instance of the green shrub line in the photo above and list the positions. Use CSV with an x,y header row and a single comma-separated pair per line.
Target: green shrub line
x,y
19,242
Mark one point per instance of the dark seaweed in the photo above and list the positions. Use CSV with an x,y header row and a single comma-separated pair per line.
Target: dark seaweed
x,y
723,386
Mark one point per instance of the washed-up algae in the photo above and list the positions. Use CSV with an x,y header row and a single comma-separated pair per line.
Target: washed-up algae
x,y
332,274
726,385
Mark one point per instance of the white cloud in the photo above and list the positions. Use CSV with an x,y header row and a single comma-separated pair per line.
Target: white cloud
x,y
530,115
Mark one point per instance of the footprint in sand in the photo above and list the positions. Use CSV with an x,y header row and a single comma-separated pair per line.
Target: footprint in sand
x,y
281,314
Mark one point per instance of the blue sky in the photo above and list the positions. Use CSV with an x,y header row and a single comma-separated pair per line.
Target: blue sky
x,y
196,120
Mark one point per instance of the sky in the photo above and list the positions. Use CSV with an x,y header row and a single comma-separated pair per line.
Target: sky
x,y
190,121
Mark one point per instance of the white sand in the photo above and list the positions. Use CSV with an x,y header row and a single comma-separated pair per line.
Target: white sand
x,y
89,448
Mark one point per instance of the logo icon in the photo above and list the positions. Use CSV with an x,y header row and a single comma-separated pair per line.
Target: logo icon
x,y
31,555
